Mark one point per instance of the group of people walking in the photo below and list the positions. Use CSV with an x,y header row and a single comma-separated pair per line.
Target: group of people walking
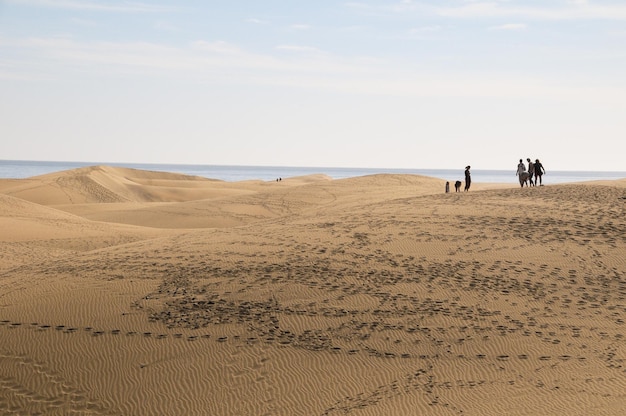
x,y
535,170
457,184
526,176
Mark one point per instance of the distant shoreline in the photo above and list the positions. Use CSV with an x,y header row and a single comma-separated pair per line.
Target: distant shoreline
x,y
20,169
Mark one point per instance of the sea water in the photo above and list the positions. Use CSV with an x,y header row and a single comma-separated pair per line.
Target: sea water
x,y
19,169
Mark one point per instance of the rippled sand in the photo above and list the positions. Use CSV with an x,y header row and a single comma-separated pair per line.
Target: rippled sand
x,y
126,292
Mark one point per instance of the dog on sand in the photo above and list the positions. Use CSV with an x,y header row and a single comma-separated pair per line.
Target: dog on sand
x,y
524,177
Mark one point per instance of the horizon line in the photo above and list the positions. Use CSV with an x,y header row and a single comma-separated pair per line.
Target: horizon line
x,y
93,163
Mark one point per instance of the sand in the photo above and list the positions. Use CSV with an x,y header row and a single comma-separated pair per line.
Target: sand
x,y
125,292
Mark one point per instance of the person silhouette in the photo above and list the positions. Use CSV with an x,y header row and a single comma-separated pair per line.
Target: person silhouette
x,y
521,167
539,172
468,178
531,171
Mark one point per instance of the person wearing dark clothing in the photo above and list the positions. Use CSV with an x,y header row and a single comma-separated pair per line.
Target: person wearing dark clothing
x,y
468,178
539,172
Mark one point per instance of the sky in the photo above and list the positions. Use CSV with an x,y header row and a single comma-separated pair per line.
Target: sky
x,y
430,84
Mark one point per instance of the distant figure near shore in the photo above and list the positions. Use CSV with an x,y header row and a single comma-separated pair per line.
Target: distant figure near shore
x,y
539,172
522,174
447,187
468,178
457,186
521,167
531,171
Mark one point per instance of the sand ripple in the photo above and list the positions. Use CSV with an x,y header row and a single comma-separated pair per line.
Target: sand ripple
x,y
378,295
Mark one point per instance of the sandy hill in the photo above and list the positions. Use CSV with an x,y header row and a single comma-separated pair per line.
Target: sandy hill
x,y
104,184
35,232
365,296
166,200
247,203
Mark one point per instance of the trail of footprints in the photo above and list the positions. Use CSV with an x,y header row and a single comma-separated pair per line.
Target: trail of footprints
x,y
420,380
315,337
94,332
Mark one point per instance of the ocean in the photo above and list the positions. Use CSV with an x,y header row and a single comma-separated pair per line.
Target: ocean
x,y
19,169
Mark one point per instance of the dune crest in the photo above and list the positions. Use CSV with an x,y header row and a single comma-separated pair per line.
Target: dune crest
x,y
104,184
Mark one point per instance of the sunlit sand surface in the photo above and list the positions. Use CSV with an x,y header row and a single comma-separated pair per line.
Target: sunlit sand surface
x,y
125,292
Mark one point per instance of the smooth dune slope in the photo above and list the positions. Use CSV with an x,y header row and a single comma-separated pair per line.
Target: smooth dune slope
x,y
364,296
105,184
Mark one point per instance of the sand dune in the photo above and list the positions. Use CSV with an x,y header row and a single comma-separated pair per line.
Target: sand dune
x,y
135,293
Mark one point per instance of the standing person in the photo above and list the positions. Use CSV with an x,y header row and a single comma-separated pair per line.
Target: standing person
x,y
539,172
521,173
531,171
468,178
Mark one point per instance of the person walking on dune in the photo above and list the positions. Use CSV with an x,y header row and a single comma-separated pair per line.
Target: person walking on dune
x,y
539,172
531,171
521,173
468,178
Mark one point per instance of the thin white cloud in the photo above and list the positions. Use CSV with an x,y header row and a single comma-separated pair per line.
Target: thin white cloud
x,y
509,26
491,9
402,7
55,57
223,62
166,26
297,48
257,21
84,22
108,6
424,30
300,26
220,47
570,11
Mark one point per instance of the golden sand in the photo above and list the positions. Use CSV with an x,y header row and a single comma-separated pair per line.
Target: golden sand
x,y
125,292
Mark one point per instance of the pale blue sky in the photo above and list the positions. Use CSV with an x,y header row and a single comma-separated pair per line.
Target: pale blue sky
x,y
397,84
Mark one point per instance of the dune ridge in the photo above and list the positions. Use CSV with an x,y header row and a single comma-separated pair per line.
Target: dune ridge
x,y
130,292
